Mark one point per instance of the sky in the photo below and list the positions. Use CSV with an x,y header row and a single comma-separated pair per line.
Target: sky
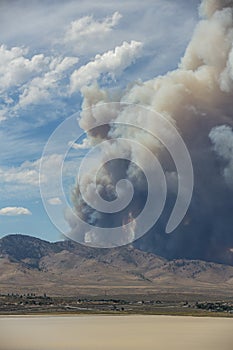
x,y
49,52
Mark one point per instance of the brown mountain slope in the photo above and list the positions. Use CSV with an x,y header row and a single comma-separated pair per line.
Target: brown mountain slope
x,y
28,264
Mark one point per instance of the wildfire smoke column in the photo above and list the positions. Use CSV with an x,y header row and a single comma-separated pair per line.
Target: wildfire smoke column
x,y
197,98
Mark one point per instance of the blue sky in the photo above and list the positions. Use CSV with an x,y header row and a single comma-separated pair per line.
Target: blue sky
x,y
49,51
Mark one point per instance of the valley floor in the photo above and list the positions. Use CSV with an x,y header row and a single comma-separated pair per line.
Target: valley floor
x,y
114,333
147,304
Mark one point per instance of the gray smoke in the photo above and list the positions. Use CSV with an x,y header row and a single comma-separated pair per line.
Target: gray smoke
x,y
198,98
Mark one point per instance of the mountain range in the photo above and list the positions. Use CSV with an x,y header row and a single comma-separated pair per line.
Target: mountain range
x,y
29,264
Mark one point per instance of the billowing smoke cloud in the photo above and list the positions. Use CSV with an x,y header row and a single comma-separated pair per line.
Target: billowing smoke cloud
x,y
198,98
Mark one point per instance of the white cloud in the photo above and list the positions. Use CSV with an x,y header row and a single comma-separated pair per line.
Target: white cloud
x,y
84,145
3,115
35,80
41,89
24,180
222,139
83,30
26,173
14,211
112,62
16,69
54,201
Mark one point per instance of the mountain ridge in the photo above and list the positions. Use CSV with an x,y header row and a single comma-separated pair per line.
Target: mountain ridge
x,y
30,263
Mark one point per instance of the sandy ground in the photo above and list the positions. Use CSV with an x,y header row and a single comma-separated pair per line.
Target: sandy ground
x,y
115,333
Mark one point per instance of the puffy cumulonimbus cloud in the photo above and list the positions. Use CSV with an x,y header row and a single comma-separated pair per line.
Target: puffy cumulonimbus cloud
x,y
197,98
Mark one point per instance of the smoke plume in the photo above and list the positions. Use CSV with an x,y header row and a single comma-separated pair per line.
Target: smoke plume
x,y
197,98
